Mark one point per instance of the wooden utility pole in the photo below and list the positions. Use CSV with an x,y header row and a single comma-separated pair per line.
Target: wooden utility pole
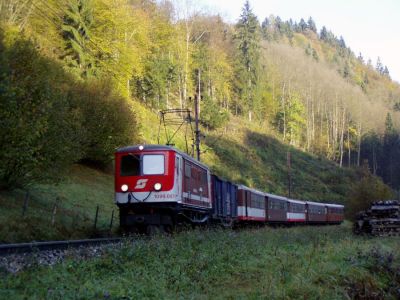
x,y
197,131
196,118
289,174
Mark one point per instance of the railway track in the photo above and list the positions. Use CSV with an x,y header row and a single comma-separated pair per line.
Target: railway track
x,y
6,249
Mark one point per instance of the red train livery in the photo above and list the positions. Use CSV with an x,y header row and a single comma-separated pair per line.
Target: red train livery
x,y
159,187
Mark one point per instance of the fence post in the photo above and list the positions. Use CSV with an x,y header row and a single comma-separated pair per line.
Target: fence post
x,y
112,219
53,217
95,218
25,207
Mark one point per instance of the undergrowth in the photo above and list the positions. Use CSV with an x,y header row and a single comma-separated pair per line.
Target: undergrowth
x,y
76,199
285,263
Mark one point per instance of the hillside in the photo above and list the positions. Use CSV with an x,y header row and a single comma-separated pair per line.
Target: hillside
x,y
82,78
242,154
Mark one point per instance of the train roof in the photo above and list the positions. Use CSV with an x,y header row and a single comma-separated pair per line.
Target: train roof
x,y
243,187
160,148
316,203
276,197
296,201
334,205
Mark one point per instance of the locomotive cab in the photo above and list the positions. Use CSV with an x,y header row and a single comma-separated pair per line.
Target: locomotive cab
x,y
144,175
159,186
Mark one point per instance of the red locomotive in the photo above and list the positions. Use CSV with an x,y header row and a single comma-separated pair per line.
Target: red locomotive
x,y
158,187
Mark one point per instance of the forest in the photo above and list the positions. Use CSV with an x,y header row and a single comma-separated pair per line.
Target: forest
x,y
73,71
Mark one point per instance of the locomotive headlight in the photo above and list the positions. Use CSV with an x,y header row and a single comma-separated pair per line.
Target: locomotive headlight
x,y
124,187
157,186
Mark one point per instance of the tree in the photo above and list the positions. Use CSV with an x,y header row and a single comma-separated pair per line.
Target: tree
x,y
324,34
360,58
76,33
342,43
303,25
311,25
278,25
40,131
15,12
369,188
379,66
385,72
247,38
391,147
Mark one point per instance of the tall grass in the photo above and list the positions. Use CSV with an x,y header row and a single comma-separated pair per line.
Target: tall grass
x,y
285,263
77,198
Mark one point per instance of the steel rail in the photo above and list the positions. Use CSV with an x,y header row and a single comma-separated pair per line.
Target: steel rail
x,y
6,249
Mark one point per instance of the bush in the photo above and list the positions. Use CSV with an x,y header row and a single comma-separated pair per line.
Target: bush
x,y
212,115
49,120
107,118
369,189
39,129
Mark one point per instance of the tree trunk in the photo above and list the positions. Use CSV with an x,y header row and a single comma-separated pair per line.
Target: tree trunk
x,y
180,91
284,110
359,144
348,146
342,138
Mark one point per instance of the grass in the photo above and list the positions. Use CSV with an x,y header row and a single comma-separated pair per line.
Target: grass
x,y
285,263
77,198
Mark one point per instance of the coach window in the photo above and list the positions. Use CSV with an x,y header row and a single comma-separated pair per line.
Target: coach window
x,y
153,164
188,170
204,177
130,165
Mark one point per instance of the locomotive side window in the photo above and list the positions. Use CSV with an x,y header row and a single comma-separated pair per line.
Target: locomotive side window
x,y
130,165
153,164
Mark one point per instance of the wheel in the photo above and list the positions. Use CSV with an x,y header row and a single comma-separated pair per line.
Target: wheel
x,y
155,229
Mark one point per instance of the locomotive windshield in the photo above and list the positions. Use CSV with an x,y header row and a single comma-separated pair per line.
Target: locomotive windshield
x,y
130,165
148,164
153,164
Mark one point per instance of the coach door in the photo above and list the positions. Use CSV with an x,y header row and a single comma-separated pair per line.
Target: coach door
x,y
246,201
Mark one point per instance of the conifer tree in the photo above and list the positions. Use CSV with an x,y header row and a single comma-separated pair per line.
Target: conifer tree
x,y
311,25
247,37
391,147
278,25
385,72
379,66
303,25
342,43
324,34
76,33
360,58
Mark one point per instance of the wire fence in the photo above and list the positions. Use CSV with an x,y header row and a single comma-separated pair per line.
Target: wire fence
x,y
94,219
